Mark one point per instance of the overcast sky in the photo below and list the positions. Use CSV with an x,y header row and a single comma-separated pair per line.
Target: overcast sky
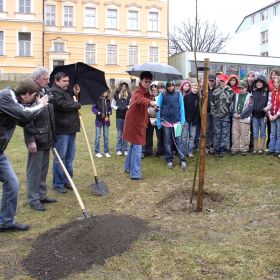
x,y
226,14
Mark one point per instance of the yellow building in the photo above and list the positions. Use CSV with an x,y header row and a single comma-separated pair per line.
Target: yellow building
x,y
109,35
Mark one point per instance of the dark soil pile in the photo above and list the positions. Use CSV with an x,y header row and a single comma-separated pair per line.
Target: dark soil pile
x,y
79,245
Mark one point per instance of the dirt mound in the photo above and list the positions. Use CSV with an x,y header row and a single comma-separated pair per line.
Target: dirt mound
x,y
79,245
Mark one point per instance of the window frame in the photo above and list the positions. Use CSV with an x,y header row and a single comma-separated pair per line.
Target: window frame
x,y
92,54
51,15
2,42
131,20
151,53
152,21
64,15
107,54
109,24
264,37
57,47
23,2
25,42
264,15
87,23
130,63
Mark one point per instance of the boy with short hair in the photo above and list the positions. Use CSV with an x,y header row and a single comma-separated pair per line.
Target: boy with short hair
x,y
242,112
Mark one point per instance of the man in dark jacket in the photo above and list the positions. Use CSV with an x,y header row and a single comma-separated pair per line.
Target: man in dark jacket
x,y
39,139
67,123
11,112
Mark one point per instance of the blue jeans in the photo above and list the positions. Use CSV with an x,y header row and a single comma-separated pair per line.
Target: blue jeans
x,y
121,144
133,161
65,146
221,134
274,144
105,136
168,138
259,128
188,136
10,192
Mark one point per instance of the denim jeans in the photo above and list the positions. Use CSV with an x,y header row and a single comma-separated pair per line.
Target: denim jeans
x,y
221,134
259,128
65,146
105,136
274,144
121,144
168,138
188,136
133,161
10,192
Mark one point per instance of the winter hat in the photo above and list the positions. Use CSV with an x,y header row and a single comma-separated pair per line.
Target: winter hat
x,y
183,83
242,84
223,77
212,77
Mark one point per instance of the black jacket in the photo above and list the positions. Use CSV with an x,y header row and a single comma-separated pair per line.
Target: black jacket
x,y
41,129
11,112
65,111
191,104
260,102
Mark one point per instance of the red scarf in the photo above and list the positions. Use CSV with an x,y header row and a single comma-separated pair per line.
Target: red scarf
x,y
275,101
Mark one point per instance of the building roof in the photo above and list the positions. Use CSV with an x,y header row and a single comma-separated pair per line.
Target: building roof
x,y
267,6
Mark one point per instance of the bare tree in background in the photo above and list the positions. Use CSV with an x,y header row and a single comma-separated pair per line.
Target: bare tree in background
x,y
209,39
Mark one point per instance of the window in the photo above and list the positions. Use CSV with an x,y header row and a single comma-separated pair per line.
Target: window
x,y
90,17
58,47
90,51
264,37
112,53
112,20
264,54
264,15
24,43
132,20
153,54
153,21
24,6
112,83
133,83
68,16
1,42
50,15
275,10
1,6
132,55
253,19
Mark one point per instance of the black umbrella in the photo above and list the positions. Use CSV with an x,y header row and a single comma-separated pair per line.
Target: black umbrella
x,y
91,80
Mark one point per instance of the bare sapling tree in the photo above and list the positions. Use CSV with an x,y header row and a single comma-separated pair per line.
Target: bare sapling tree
x,y
208,38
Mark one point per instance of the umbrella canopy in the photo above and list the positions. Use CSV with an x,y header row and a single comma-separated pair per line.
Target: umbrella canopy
x,y
160,71
91,80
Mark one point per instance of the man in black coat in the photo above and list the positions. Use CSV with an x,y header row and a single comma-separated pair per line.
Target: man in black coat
x,y
11,112
67,124
39,139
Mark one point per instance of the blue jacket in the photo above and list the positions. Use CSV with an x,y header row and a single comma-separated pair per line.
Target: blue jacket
x,y
172,107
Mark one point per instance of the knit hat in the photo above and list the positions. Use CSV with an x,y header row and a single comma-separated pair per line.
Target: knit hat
x,y
223,77
242,84
183,83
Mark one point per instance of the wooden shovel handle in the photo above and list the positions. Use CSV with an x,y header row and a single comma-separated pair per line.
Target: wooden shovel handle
x,y
87,142
70,180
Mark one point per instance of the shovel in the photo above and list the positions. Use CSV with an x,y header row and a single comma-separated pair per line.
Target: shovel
x,y
99,187
84,210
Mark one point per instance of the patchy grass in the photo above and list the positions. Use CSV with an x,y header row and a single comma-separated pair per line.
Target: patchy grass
x,y
235,237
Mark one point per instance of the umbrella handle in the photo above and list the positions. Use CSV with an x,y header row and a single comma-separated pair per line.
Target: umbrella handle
x,y
87,142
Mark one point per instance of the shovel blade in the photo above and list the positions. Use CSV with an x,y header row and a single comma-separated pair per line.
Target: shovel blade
x,y
100,189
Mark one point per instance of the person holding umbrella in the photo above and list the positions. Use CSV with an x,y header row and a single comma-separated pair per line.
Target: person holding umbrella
x,y
135,125
67,124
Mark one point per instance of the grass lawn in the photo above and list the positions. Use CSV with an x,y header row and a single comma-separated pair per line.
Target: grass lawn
x,y
235,237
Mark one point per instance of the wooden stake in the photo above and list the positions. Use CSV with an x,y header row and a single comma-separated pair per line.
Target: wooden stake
x,y
204,106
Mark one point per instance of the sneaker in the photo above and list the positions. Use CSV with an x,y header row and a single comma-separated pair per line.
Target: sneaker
x,y
169,165
98,155
107,155
233,153
119,153
125,153
183,165
190,155
244,153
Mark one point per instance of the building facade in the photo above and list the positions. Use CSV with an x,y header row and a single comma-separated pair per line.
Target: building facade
x,y
108,35
258,33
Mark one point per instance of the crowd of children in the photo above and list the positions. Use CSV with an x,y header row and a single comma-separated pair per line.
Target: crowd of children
x,y
242,116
